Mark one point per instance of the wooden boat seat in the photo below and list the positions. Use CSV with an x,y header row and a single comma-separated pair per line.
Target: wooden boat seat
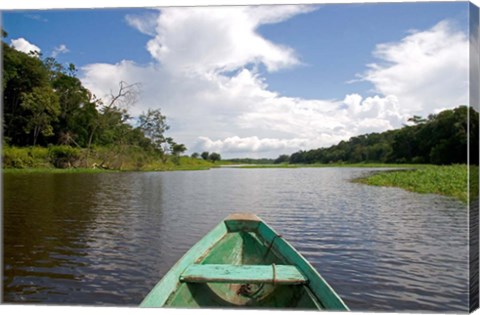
x,y
220,273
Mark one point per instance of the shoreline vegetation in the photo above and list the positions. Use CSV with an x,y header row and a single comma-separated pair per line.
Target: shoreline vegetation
x,y
66,159
447,180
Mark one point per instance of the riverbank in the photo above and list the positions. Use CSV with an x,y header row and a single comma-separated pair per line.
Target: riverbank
x,y
65,159
54,170
451,180
186,165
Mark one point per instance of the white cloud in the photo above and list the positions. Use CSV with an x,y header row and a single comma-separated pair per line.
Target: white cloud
x,y
62,49
216,39
426,70
236,113
143,23
249,144
384,109
21,44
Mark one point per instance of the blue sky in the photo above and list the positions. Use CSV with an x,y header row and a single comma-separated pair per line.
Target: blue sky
x,y
239,83
329,41
92,35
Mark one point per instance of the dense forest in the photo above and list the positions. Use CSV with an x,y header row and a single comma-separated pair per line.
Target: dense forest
x,y
439,139
46,105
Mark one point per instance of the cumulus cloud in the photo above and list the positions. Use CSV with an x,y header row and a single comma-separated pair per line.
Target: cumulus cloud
x,y
426,70
21,44
250,144
62,49
216,39
203,76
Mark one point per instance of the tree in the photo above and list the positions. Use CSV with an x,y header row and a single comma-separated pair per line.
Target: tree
x,y
214,157
43,108
21,73
73,99
177,148
204,155
115,111
417,120
284,158
195,155
154,124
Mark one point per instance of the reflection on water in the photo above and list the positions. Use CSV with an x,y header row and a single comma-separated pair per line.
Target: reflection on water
x,y
108,238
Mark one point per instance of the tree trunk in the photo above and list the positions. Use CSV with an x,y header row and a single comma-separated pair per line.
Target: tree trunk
x,y
90,139
36,131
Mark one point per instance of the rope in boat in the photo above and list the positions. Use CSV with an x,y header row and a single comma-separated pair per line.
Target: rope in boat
x,y
245,288
271,244
274,274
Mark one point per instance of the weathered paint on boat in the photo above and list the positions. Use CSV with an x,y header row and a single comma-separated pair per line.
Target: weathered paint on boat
x,y
243,262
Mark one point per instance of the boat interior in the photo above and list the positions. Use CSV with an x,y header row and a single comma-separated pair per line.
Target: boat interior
x,y
242,269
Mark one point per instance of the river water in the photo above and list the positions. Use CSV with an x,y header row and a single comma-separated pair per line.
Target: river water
x,y
106,239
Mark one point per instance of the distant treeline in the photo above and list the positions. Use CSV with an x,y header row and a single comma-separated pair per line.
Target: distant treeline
x,y
251,161
439,139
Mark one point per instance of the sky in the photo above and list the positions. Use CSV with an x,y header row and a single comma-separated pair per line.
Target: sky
x,y
262,81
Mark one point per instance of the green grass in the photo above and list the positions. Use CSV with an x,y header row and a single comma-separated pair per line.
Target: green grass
x,y
184,164
428,179
365,165
31,157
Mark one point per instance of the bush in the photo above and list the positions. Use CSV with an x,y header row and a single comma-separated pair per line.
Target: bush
x,y
64,156
14,157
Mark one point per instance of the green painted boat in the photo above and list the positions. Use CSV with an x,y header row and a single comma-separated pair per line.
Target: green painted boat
x,y
243,263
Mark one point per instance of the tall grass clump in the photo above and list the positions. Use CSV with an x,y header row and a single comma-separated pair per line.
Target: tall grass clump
x,y
14,157
449,180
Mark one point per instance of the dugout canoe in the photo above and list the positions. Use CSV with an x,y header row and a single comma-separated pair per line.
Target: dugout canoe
x,y
243,263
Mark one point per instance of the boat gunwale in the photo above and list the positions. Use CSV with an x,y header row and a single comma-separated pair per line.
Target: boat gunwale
x,y
170,281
